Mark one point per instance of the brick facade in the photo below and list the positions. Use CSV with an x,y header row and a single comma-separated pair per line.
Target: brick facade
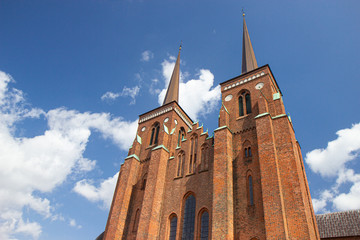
x,y
249,176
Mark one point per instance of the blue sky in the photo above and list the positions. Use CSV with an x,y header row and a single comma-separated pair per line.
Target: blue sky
x,y
75,75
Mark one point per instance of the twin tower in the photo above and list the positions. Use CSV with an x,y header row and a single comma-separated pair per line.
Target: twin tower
x,y
245,182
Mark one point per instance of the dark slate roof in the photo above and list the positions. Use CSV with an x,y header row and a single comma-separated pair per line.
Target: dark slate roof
x,y
339,224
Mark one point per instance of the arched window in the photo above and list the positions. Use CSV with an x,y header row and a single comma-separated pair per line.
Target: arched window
x,y
136,220
181,136
155,134
241,106
189,218
193,154
204,226
247,152
180,167
251,190
248,103
173,226
244,106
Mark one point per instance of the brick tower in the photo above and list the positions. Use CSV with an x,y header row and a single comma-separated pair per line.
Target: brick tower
x,y
246,182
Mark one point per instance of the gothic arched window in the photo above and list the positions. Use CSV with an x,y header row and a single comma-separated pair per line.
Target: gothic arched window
x,y
189,218
251,190
181,136
180,167
241,106
193,154
155,134
204,226
173,226
244,103
248,103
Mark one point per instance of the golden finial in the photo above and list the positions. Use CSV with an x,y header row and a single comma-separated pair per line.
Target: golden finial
x,y
243,13
180,45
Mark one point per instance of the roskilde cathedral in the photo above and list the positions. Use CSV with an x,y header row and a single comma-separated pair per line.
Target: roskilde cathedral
x,y
247,181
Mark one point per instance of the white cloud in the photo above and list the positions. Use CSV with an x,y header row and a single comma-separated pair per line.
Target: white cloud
x,y
126,92
147,56
110,96
73,223
332,159
196,96
103,193
333,163
41,163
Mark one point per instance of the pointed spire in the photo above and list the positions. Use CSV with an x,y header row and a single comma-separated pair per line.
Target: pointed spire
x,y
248,57
172,93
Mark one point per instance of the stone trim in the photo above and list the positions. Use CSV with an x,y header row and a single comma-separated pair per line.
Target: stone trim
x,y
183,118
133,156
240,82
155,114
160,146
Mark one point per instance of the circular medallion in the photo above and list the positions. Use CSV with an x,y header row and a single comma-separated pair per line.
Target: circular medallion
x,y
228,97
175,121
259,86
143,129
166,120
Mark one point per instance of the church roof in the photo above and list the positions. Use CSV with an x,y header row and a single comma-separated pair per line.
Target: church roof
x,y
248,56
339,224
172,93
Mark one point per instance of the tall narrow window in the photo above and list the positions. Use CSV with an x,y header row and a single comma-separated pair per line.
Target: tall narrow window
x,y
246,152
191,154
173,225
189,219
195,154
180,168
249,152
204,227
251,193
248,103
152,136
241,106
181,136
157,134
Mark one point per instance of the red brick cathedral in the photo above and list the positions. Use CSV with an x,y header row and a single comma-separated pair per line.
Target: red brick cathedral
x,y
247,181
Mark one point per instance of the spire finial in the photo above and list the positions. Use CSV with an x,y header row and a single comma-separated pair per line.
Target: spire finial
x,y
248,57
172,93
243,12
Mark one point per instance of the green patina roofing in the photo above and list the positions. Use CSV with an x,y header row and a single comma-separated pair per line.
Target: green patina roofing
x,y
160,146
222,103
133,156
222,127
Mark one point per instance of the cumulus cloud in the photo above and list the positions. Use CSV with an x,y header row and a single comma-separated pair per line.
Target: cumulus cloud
x,y
147,56
126,92
103,193
196,96
333,162
41,163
